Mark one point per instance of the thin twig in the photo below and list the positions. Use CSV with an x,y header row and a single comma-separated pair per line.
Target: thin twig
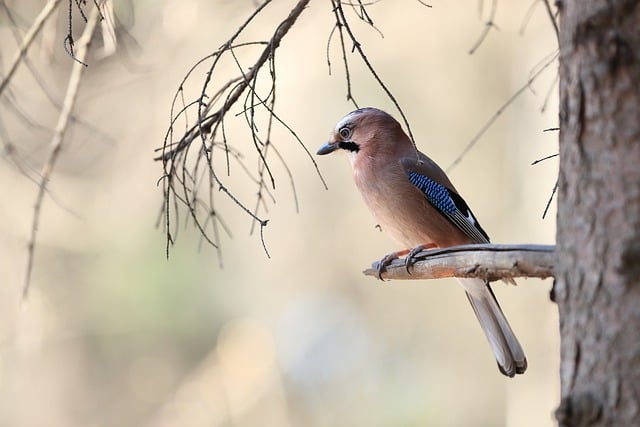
x,y
553,193
545,158
69,42
58,136
345,62
342,22
547,97
499,112
487,27
552,18
527,16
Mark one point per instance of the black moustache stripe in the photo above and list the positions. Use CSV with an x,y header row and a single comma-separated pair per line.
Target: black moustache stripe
x,y
349,146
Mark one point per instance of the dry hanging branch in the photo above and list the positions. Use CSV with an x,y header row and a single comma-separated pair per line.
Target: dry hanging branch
x,y
489,262
190,175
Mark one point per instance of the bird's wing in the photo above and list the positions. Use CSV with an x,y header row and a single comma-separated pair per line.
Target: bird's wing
x,y
436,187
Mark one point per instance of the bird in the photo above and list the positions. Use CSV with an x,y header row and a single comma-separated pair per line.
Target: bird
x,y
414,201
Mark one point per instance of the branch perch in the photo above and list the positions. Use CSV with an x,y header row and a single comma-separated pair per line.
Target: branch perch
x,y
489,262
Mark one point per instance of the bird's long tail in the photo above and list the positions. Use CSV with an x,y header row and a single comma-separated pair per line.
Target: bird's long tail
x,y
506,348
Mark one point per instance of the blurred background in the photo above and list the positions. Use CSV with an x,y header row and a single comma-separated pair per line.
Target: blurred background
x,y
114,334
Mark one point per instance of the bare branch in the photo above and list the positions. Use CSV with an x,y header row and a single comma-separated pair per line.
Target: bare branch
x,y
488,262
28,39
58,136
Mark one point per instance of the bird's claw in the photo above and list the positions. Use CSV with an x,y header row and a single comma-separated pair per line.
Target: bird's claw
x,y
410,258
382,265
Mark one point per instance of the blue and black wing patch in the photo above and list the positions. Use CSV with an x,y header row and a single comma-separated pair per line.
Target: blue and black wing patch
x,y
450,205
437,194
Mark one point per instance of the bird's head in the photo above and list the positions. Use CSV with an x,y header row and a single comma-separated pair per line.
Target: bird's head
x,y
365,130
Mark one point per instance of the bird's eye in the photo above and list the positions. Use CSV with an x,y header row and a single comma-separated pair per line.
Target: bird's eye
x,y
345,133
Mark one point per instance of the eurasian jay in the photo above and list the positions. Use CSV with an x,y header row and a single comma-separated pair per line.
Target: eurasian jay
x,y
413,200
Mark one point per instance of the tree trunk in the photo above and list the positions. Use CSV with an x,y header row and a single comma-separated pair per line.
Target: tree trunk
x,y
597,284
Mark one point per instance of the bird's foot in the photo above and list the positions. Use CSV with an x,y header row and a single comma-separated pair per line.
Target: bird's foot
x,y
386,260
410,258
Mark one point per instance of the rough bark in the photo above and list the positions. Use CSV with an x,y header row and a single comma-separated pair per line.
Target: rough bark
x,y
598,239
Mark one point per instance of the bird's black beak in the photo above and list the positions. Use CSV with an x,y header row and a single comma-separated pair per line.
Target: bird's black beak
x,y
327,148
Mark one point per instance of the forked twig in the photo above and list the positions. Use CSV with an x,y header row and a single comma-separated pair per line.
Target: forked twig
x,y
487,27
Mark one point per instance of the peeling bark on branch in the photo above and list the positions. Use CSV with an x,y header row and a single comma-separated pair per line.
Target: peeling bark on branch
x,y
489,262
